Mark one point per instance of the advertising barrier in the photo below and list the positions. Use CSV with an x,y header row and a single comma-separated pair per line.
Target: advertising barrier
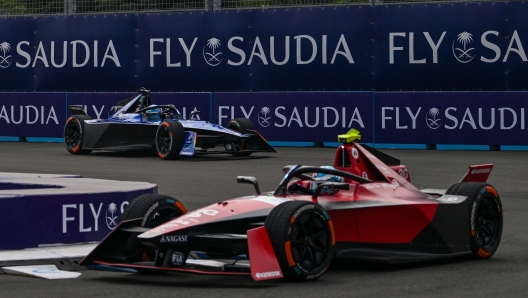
x,y
419,47
299,116
470,118
446,47
44,114
475,118
32,114
37,209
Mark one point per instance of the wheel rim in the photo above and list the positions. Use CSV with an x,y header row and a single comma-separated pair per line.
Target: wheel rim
x,y
310,241
72,135
163,140
488,222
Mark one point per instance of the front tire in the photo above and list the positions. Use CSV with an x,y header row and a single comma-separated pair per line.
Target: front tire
x,y
241,125
302,236
74,134
153,210
485,216
169,139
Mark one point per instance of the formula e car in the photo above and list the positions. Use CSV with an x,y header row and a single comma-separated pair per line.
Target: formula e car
x,y
363,207
136,124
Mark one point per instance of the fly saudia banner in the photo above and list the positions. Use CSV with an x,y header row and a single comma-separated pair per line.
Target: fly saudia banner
x,y
470,46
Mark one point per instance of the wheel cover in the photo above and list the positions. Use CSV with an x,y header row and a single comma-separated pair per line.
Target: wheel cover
x,y
163,140
310,241
72,135
488,222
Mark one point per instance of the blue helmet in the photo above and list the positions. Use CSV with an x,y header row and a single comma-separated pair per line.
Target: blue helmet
x,y
320,178
153,114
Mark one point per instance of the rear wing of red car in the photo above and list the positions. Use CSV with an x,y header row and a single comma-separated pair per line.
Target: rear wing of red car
x,y
477,173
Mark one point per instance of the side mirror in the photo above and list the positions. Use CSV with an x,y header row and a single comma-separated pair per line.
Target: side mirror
x,y
249,180
330,185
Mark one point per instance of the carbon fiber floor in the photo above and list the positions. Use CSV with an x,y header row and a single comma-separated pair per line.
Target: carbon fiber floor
x,y
207,179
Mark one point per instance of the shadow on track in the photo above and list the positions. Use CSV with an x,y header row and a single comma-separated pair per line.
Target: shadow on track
x,y
188,281
357,266
196,158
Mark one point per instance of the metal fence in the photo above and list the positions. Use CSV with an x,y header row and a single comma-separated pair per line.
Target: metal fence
x,y
71,7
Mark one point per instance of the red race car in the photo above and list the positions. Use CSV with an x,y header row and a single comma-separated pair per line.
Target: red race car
x,y
362,207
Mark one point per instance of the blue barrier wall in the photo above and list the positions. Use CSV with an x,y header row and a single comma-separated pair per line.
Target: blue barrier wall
x,y
470,118
420,47
40,209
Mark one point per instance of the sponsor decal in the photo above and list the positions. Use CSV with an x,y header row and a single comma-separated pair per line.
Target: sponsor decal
x,y
173,238
404,173
302,209
264,119
395,183
431,119
183,220
85,218
147,214
310,117
186,153
33,115
260,275
480,171
473,216
464,54
111,217
461,47
211,56
378,185
449,199
77,48
383,169
177,258
365,175
316,275
355,153
5,61
453,118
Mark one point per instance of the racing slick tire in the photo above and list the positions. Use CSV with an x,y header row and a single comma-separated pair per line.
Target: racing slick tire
x,y
154,211
302,235
74,134
485,216
169,139
241,125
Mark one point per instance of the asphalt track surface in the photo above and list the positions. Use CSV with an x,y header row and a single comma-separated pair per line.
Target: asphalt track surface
x,y
202,180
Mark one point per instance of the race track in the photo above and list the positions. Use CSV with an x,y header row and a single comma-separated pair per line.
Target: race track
x,y
203,180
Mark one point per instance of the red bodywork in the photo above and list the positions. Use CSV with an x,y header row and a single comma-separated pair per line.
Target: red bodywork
x,y
389,210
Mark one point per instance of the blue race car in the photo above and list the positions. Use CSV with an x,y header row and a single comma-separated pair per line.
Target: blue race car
x,y
136,124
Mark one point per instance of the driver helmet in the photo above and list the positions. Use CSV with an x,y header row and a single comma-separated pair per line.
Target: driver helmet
x,y
153,114
320,178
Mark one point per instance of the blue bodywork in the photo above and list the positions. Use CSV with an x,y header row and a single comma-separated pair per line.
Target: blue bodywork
x,y
133,123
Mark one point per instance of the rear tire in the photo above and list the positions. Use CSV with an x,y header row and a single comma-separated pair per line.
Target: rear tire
x,y
169,139
485,216
154,211
302,236
241,125
74,134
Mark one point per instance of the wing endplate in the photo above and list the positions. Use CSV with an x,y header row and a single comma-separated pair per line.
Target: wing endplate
x,y
264,263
